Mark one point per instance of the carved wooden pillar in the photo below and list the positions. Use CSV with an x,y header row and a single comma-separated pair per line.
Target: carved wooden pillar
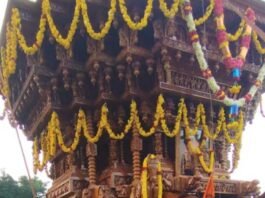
x,y
177,156
224,160
166,63
136,147
113,152
91,152
158,144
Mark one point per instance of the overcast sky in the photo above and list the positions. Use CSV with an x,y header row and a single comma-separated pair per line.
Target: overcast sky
x,y
251,165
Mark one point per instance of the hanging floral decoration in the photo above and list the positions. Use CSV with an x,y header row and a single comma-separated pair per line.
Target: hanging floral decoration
x,y
142,22
169,13
106,27
222,38
238,32
215,88
14,37
207,14
236,155
144,177
29,50
195,150
8,59
257,43
54,135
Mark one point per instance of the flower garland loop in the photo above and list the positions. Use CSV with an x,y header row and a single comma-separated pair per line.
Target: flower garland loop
x,y
65,42
8,58
219,93
238,33
14,37
54,135
222,37
29,50
257,43
236,155
207,14
104,31
144,177
143,22
195,150
169,13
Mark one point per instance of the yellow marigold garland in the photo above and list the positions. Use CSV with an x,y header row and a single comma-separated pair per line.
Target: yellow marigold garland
x,y
195,150
9,57
4,87
45,153
207,14
220,121
29,50
144,177
107,25
237,127
66,42
144,20
235,89
157,118
257,43
210,168
169,13
54,135
238,33
236,155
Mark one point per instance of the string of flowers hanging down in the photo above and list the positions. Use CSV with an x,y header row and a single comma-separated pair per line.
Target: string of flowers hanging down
x,y
29,50
45,147
207,14
169,13
238,32
144,176
235,64
65,42
230,62
143,22
257,43
195,150
236,154
55,136
105,29
15,35
207,73
8,59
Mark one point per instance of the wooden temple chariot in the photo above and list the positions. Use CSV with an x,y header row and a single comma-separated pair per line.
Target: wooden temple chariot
x,y
62,94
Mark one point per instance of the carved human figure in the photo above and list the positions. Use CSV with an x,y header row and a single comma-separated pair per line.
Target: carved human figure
x,y
86,193
136,190
152,179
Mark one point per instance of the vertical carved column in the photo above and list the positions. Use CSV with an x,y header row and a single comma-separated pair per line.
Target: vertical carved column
x,y
113,152
177,156
158,144
136,147
91,152
166,62
224,156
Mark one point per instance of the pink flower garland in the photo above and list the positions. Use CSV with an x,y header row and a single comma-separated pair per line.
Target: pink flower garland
x,y
222,37
206,72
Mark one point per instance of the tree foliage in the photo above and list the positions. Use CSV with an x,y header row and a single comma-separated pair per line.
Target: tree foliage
x,y
9,188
